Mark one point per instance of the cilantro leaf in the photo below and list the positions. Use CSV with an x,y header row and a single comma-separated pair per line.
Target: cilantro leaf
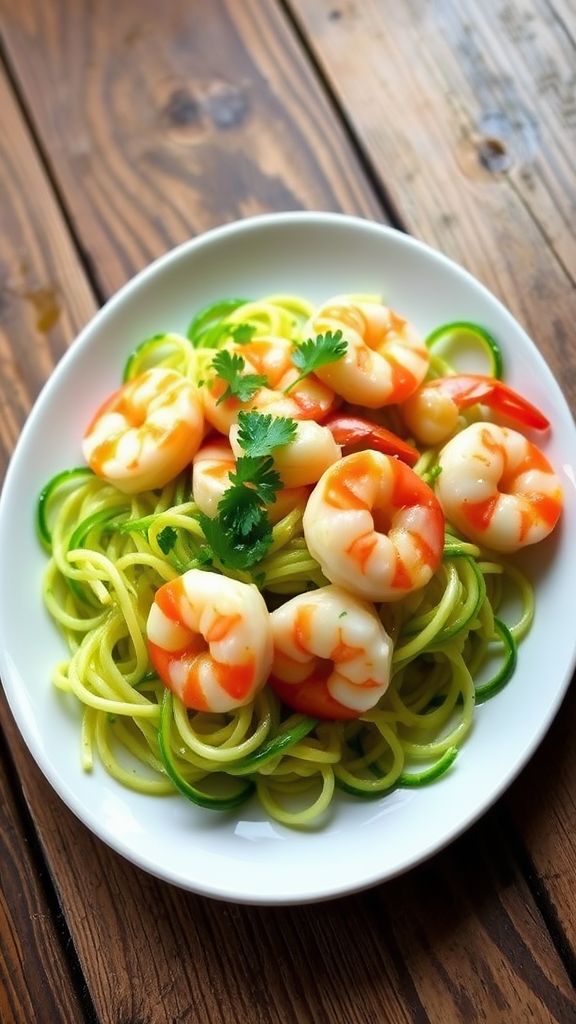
x,y
229,367
167,539
240,534
258,473
315,352
243,333
236,552
240,510
260,433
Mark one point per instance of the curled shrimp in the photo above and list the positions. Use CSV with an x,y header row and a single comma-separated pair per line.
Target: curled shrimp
x,y
386,359
374,526
271,358
498,488
432,412
210,640
212,466
332,655
146,432
305,458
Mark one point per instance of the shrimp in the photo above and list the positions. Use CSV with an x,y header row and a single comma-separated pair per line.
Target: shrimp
x,y
432,412
305,458
271,358
498,488
146,432
332,655
213,464
374,526
210,640
386,358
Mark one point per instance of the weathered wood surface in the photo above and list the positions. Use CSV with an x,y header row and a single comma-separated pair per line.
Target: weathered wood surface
x,y
472,131
34,964
160,123
155,123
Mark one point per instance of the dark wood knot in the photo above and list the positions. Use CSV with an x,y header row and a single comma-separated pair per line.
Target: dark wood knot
x,y
181,108
227,105
493,155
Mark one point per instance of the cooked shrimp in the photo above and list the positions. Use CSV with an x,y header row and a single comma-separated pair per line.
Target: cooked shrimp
x,y
305,458
374,526
213,464
271,358
498,488
332,655
210,640
386,358
145,433
432,412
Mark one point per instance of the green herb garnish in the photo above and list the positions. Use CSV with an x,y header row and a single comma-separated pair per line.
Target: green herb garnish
x,y
259,433
315,352
241,533
229,367
167,539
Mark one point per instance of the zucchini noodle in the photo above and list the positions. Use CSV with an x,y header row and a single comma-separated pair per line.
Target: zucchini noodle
x,y
108,556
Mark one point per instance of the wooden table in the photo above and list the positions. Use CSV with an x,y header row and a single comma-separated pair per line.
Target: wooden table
x,y
128,127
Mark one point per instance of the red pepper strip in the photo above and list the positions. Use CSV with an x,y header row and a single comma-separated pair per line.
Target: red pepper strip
x,y
355,434
468,389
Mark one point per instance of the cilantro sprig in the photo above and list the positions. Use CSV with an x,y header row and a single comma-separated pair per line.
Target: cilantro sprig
x,y
241,533
316,352
259,434
229,367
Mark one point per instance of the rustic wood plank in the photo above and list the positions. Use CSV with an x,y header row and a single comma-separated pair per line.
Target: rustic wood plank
x,y
34,970
473,119
471,131
171,125
148,951
35,258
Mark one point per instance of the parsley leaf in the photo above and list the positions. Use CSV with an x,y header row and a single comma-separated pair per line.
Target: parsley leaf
x,y
229,367
315,352
243,333
167,539
260,433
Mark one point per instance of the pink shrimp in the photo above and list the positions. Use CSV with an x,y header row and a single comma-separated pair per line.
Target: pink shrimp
x,y
386,359
332,655
432,412
497,488
210,640
271,358
374,526
145,433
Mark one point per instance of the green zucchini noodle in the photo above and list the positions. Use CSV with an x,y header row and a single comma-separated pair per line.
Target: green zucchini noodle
x,y
108,554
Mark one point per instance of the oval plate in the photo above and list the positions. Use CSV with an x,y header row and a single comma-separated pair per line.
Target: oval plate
x,y
243,856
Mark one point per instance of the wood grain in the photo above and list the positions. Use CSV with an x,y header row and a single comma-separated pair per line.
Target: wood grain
x,y
37,259
472,129
34,970
452,937
175,121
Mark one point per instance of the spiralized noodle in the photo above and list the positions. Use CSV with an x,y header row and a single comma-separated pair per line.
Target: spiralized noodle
x,y
107,559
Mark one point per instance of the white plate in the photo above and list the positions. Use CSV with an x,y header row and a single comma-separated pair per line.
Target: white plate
x,y
242,856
